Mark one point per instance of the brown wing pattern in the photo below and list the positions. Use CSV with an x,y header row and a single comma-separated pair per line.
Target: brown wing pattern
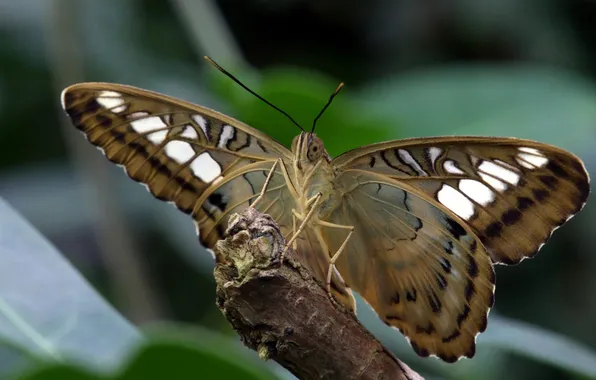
x,y
420,269
183,153
513,193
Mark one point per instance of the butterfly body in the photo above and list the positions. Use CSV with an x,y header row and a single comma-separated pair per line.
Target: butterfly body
x,y
313,173
414,226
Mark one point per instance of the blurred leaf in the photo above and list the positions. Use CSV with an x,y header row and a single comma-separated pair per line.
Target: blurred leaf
x,y
540,344
47,308
224,346
170,359
172,354
523,101
61,372
302,94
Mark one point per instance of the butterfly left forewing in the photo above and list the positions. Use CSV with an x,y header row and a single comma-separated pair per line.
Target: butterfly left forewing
x,y
207,164
182,152
513,193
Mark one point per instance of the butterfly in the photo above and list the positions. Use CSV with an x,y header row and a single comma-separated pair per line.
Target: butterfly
x,y
414,226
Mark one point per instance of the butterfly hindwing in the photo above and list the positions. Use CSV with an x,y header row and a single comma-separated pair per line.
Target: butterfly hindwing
x,y
420,269
238,191
513,193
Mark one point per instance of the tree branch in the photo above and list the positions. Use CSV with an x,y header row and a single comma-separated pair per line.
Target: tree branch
x,y
285,315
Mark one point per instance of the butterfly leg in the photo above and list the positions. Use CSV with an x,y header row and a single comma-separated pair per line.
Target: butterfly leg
x,y
265,185
294,247
315,202
339,250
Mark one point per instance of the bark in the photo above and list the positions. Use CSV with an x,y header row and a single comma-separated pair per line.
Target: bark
x,y
281,312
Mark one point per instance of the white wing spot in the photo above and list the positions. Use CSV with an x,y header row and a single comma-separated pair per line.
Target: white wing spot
x,y
189,132
411,161
112,101
450,167
434,153
226,135
500,172
158,137
531,161
530,150
137,115
146,125
456,202
205,167
200,120
500,186
478,191
179,151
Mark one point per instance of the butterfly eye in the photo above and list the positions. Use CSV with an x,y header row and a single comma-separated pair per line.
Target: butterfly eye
x,y
315,150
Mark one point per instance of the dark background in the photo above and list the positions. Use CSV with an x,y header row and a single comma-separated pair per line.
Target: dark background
x,y
411,68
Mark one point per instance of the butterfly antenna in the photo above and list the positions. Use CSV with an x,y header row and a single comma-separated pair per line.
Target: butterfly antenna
x,y
218,67
337,90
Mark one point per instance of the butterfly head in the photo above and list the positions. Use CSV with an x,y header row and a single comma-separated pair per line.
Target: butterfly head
x,y
309,150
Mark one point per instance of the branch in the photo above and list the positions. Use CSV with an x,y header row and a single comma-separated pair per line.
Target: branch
x,y
285,315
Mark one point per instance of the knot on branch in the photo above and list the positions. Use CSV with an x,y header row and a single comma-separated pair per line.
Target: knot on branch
x,y
255,242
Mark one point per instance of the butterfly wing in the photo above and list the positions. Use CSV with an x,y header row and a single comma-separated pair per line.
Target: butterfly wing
x,y
430,217
419,268
513,193
185,154
207,164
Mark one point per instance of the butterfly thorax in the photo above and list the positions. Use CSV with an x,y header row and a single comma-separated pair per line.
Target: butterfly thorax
x,y
313,173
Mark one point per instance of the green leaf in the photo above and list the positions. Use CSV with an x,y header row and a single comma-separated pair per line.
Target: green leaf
x,y
61,372
174,352
197,348
47,309
170,360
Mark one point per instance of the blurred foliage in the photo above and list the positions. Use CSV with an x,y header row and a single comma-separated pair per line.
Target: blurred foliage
x,y
508,68
159,360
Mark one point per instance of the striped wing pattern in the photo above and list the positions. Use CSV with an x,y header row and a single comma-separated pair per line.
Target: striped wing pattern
x,y
177,151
